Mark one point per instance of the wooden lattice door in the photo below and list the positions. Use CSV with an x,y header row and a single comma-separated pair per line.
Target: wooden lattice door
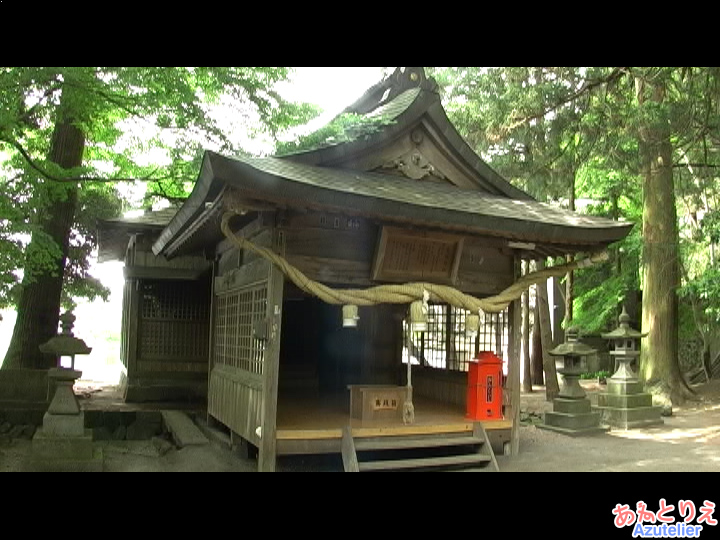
x,y
242,391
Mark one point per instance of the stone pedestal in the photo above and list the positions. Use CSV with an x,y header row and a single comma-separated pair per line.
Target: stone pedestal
x,y
63,444
573,417
572,412
626,406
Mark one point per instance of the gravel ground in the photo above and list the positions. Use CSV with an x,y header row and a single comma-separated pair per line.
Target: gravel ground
x,y
688,441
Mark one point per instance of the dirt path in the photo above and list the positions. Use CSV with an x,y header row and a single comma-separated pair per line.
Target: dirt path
x,y
689,440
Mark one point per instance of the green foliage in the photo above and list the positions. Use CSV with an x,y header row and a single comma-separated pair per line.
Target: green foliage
x,y
144,123
561,133
547,128
602,374
345,127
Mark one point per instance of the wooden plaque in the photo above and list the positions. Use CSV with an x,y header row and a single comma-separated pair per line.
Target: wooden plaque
x,y
407,255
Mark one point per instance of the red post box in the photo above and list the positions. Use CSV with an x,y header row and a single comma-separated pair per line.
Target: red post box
x,y
484,391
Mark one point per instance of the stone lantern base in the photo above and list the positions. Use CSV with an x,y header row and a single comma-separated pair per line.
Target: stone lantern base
x,y
63,444
572,416
625,405
572,412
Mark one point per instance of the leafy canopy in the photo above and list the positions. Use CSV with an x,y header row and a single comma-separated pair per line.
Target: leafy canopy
x,y
142,126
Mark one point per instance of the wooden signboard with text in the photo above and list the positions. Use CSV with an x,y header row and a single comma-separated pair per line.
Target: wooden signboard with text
x,y
408,255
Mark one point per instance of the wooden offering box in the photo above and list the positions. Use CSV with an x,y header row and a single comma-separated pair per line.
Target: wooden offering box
x,y
376,402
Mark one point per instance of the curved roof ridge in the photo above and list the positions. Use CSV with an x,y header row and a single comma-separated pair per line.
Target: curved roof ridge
x,y
402,79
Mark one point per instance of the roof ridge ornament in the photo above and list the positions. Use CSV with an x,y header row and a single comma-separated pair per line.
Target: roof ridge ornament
x,y
400,80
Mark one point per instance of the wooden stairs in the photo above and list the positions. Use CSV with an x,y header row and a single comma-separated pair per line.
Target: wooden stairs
x,y
462,451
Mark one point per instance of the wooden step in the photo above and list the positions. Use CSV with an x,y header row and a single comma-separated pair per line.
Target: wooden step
x,y
419,452
396,443
421,463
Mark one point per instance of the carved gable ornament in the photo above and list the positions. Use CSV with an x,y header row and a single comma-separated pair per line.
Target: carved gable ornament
x,y
414,165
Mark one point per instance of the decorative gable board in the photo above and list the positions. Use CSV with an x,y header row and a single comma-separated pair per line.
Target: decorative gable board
x,y
418,154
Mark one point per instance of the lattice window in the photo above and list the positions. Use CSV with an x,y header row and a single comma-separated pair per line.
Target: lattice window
x,y
446,346
235,343
174,319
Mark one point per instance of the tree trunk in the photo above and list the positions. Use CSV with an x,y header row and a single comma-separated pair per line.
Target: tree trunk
x,y
569,277
38,309
527,370
552,388
659,366
536,356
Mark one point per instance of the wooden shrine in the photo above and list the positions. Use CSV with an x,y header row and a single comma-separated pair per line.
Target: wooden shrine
x,y
410,202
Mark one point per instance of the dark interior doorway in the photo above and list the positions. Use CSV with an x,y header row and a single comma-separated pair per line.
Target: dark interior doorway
x,y
316,353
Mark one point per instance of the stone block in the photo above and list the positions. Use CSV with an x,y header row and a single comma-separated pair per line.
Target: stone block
x,y
101,433
624,387
594,430
149,417
51,447
64,425
119,434
571,406
628,418
64,401
623,401
141,430
572,421
163,446
184,431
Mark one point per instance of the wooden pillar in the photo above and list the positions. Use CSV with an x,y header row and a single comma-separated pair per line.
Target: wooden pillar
x,y
514,358
271,366
134,298
211,332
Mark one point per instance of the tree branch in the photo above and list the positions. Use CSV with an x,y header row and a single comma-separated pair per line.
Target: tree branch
x,y
27,115
49,176
163,194
587,87
706,165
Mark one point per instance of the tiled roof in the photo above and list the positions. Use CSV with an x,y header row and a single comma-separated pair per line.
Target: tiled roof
x,y
114,233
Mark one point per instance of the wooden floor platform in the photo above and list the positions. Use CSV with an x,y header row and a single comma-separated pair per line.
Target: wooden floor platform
x,y
313,424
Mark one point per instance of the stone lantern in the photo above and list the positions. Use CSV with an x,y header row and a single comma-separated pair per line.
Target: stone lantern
x,y
63,443
572,353
572,412
624,404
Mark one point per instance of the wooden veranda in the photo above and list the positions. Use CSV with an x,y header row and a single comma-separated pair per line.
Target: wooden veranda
x,y
307,424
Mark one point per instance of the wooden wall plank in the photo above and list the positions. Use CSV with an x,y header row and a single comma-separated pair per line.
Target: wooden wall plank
x,y
153,272
232,401
249,274
347,245
337,271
